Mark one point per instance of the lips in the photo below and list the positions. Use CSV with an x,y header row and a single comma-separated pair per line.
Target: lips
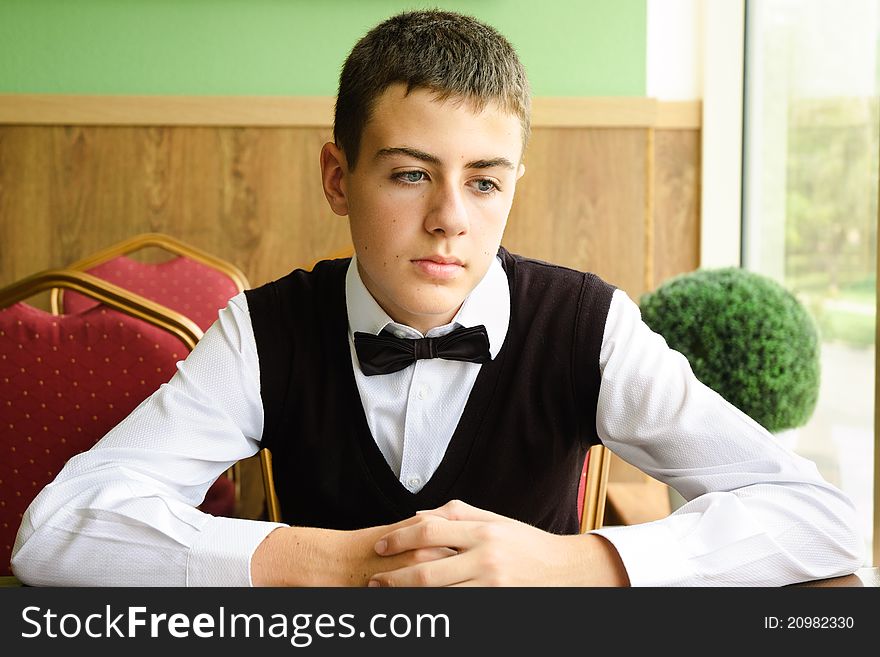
x,y
440,260
439,267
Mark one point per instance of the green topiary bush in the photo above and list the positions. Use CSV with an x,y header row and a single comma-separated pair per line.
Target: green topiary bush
x,y
746,337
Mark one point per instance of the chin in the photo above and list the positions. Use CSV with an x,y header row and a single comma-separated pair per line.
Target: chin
x,y
442,307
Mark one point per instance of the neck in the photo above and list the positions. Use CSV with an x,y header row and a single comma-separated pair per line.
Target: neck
x,y
421,324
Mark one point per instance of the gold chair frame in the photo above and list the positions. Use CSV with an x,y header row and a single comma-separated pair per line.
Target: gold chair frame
x,y
594,490
108,294
162,241
273,507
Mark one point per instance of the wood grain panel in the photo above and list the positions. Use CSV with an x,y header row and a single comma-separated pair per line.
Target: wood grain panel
x,y
676,203
251,196
671,247
25,228
581,202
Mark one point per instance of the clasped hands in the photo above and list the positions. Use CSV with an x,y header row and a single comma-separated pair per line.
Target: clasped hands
x,y
453,545
461,545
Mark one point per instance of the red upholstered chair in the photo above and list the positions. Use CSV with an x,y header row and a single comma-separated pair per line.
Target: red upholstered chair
x,y
193,282
67,380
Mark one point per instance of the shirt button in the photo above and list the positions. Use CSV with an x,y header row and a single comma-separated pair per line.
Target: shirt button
x,y
422,393
413,482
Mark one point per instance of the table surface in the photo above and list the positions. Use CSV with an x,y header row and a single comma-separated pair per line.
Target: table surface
x,y
869,577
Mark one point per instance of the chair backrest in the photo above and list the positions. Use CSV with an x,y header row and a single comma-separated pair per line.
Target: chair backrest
x,y
591,490
65,381
194,283
273,506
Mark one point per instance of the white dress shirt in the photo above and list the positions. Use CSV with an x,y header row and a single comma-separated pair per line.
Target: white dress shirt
x,y
123,513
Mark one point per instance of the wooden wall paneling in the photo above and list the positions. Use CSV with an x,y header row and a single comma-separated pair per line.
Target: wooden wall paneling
x,y
253,196
297,225
671,247
648,212
250,195
89,165
581,202
25,228
259,204
677,203
234,176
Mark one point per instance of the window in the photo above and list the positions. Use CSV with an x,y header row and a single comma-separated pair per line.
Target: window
x,y
810,189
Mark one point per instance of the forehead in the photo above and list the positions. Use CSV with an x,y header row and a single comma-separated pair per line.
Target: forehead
x,y
451,128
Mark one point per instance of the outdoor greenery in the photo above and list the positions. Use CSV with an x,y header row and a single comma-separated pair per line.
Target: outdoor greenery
x,y
746,337
831,214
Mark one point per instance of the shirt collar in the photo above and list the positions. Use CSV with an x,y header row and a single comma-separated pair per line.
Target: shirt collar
x,y
488,304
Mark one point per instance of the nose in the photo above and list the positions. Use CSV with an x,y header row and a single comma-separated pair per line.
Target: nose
x,y
447,213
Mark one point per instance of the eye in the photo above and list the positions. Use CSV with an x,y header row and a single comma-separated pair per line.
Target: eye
x,y
410,177
486,186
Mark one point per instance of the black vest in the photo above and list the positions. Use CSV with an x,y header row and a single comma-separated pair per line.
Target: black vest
x,y
521,441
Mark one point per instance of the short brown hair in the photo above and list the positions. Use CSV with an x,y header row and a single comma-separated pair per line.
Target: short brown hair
x,y
448,53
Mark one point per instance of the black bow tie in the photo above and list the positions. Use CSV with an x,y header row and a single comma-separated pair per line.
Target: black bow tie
x,y
385,353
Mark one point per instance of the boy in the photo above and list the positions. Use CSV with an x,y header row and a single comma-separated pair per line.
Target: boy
x,y
432,372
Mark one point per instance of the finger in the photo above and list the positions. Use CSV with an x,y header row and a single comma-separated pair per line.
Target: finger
x,y
431,554
431,532
445,572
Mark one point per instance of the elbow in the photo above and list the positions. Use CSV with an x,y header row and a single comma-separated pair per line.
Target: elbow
x,y
843,542
22,562
848,556
21,568
852,545
37,549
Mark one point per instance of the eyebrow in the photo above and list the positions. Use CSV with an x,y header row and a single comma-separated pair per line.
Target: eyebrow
x,y
433,159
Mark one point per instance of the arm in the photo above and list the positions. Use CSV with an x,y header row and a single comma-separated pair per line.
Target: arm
x,y
758,514
310,556
123,512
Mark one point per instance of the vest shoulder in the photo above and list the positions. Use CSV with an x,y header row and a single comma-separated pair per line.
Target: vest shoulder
x,y
324,272
532,268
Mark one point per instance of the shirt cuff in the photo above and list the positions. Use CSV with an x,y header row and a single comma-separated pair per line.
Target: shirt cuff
x,y
651,554
222,554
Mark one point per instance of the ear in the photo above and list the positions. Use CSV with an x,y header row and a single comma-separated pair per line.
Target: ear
x,y
334,170
520,172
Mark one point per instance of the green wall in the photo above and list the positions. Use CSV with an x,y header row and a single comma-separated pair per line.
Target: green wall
x,y
292,47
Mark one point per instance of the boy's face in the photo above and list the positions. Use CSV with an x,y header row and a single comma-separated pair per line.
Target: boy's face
x,y
428,200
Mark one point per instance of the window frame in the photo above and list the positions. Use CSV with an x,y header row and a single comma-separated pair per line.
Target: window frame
x,y
722,211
